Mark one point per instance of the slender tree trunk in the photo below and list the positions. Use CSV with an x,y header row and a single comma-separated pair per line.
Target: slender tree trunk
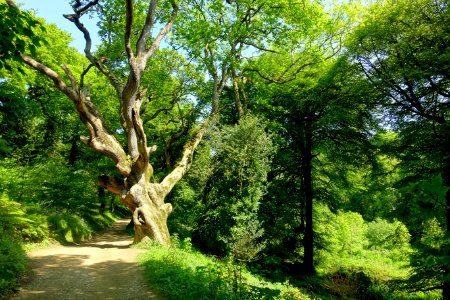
x,y
308,241
446,283
73,152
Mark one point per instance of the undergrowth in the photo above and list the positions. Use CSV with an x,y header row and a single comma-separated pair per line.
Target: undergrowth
x,y
180,272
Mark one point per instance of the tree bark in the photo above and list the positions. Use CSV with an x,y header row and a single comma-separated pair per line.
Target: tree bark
x,y
144,198
446,179
306,166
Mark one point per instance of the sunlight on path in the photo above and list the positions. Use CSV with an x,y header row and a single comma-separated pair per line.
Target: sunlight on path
x,y
102,268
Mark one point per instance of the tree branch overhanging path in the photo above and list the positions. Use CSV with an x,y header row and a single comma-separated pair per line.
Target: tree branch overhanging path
x,y
144,198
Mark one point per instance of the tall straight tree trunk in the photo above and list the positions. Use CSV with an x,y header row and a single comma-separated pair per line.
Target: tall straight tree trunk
x,y
446,178
306,167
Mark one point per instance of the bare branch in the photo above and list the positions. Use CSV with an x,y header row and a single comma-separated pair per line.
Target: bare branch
x,y
113,184
75,18
280,79
11,4
84,74
85,8
100,140
147,30
71,77
57,80
186,159
165,109
164,31
259,47
128,26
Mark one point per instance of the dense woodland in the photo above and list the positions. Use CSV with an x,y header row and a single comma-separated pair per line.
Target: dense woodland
x,y
306,142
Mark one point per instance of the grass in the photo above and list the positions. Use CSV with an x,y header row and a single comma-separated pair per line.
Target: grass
x,y
183,273
381,276
33,246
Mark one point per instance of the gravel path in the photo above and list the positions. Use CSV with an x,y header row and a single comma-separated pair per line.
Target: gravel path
x,y
101,268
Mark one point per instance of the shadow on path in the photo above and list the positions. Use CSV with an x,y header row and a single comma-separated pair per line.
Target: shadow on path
x,y
102,268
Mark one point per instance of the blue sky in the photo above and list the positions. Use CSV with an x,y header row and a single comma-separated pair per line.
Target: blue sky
x,y
52,11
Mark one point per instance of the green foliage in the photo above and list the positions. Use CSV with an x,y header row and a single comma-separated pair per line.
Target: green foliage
x,y
240,162
13,263
246,242
69,228
429,258
13,225
427,196
12,217
16,222
350,233
360,258
37,230
427,221
186,274
393,237
402,48
20,32
236,201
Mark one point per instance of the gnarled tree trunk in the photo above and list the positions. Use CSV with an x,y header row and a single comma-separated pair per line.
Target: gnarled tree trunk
x,y
144,198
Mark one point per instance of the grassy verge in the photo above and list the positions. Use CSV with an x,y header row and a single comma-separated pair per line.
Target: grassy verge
x,y
182,273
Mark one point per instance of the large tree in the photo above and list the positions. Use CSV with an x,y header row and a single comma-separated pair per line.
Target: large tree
x,y
144,198
328,126
403,49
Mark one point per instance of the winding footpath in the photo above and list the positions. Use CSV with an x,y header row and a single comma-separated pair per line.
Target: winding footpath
x,y
104,267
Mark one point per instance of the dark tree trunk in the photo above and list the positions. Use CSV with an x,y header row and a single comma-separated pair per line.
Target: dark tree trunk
x,y
102,198
306,167
73,152
446,283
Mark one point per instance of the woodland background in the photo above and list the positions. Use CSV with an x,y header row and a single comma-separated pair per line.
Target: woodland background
x,y
326,175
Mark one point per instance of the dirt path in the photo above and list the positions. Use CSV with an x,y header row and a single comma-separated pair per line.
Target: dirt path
x,y
102,268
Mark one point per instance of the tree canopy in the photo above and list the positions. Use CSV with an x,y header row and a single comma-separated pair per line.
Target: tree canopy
x,y
305,140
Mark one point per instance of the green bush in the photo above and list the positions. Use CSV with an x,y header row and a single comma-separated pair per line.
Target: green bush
x,y
69,227
349,284
392,238
15,221
12,216
13,263
383,234
37,230
240,161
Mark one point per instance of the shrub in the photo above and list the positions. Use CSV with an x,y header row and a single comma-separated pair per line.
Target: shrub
x,y
37,230
12,216
187,274
240,161
69,228
349,284
383,234
13,263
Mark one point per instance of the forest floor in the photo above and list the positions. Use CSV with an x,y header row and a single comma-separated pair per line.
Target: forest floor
x,y
104,267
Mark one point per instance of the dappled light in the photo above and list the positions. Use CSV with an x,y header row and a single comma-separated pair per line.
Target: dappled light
x,y
260,149
96,269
